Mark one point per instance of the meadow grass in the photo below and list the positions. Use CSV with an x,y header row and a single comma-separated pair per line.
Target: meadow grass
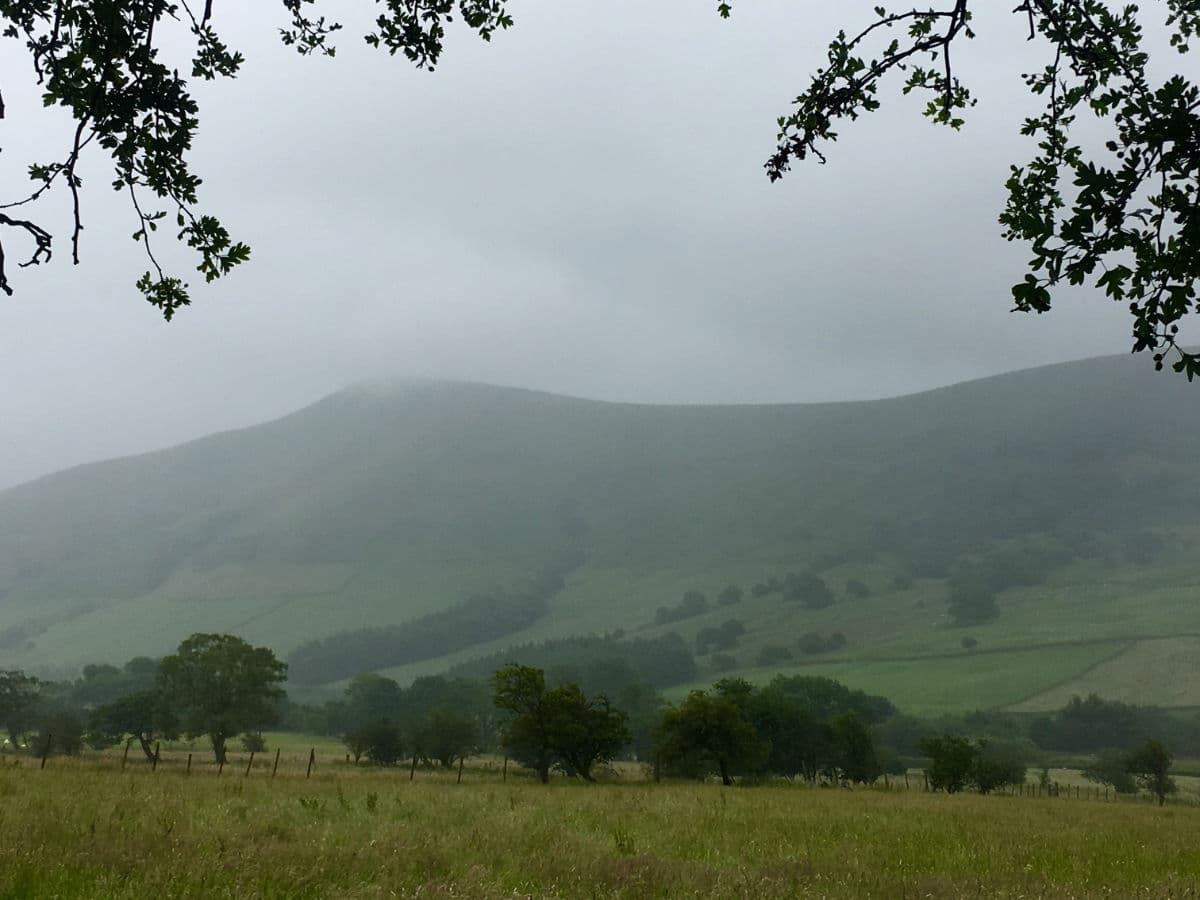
x,y
85,829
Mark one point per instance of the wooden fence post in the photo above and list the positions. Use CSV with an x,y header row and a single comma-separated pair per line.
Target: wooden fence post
x,y
125,755
249,763
188,770
312,758
504,775
460,768
46,750
154,762
926,775
906,779
275,768
412,772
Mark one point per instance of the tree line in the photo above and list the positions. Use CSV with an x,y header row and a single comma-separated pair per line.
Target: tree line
x,y
214,686
577,715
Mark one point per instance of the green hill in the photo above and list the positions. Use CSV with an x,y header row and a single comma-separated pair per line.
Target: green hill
x,y
1071,489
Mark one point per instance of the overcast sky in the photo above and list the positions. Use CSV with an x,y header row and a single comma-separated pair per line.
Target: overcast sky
x,y
579,206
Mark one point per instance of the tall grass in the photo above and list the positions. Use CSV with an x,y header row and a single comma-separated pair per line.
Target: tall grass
x,y
79,830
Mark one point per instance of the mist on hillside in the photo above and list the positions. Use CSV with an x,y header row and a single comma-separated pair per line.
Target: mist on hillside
x,y
414,527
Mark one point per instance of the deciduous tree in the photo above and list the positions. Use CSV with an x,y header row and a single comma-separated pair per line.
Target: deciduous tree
x,y
710,733
951,761
1150,763
445,736
561,726
146,716
219,686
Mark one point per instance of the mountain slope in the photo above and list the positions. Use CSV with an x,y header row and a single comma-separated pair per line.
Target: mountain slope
x,y
376,506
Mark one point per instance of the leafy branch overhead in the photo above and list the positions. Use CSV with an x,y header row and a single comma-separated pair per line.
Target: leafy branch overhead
x,y
102,60
1124,216
1121,216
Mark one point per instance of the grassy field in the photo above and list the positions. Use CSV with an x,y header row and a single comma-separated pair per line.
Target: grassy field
x,y
78,830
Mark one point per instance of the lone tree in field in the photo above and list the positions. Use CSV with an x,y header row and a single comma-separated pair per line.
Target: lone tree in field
x,y
219,686
18,704
1125,219
1150,763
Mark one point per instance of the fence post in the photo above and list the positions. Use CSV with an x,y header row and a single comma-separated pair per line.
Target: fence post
x,y
906,779
460,768
926,775
188,770
275,768
504,774
412,772
154,762
249,763
312,758
46,750
125,755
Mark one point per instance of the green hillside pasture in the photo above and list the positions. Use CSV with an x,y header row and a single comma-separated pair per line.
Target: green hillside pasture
x,y
1164,672
950,684
887,631
291,605
75,832
1087,602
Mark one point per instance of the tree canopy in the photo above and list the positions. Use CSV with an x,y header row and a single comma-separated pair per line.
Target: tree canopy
x,y
1122,216
559,726
219,686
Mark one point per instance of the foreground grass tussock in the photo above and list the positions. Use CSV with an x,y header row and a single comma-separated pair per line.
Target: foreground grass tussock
x,y
77,831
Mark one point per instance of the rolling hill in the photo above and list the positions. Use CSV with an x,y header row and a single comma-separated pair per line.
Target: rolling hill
x,y
1074,485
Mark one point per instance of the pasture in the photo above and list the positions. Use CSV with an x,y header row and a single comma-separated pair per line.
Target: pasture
x,y
84,828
